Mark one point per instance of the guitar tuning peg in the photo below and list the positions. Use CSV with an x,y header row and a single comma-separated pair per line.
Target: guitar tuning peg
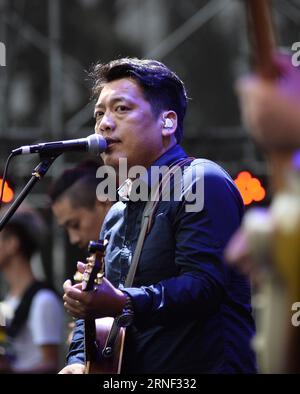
x,y
90,260
85,276
78,277
98,279
89,268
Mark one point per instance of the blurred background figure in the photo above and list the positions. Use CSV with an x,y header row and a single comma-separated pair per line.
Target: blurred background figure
x,y
267,247
271,110
75,204
77,209
31,311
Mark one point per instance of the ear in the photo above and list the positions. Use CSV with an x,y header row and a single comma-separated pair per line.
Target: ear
x,y
169,123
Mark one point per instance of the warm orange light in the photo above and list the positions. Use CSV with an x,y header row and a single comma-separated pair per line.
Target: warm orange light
x,y
8,193
249,187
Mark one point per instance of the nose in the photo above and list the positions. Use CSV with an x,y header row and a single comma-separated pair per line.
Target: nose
x,y
74,238
106,124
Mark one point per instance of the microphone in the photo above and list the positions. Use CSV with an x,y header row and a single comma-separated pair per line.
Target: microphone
x,y
94,144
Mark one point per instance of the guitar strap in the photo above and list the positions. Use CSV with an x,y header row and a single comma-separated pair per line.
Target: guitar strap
x,y
147,220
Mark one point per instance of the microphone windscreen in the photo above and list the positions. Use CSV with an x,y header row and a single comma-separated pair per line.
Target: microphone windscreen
x,y
96,144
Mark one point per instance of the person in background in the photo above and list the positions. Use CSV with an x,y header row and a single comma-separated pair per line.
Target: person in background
x,y
33,312
77,209
266,247
270,110
75,204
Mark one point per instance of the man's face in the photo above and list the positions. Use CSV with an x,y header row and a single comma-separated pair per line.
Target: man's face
x,y
82,224
126,120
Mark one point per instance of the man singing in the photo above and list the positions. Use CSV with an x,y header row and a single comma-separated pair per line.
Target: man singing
x,y
190,312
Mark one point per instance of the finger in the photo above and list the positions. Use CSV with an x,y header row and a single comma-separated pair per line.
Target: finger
x,y
67,284
75,296
78,286
73,303
80,267
74,312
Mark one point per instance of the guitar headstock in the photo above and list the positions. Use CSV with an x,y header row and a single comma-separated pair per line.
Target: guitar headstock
x,y
94,271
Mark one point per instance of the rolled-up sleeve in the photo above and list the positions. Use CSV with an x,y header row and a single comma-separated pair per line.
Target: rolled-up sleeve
x,y
76,349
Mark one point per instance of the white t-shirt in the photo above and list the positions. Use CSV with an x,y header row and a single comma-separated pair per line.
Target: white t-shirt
x,y
44,326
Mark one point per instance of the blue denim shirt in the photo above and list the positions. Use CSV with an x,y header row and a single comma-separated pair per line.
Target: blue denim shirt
x,y
192,311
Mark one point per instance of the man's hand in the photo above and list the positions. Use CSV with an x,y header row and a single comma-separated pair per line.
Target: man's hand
x,y
73,369
105,301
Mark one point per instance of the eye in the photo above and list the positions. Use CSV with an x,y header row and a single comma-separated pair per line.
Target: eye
x,y
73,225
98,115
122,108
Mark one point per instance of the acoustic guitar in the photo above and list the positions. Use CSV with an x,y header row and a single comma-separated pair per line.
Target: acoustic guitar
x,y
99,357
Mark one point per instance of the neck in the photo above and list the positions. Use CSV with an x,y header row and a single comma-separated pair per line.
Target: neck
x,y
19,275
147,162
164,150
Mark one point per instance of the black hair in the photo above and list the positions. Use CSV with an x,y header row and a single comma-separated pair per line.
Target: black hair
x,y
78,184
29,227
162,88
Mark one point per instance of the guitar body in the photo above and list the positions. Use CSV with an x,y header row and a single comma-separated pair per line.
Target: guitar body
x,y
96,363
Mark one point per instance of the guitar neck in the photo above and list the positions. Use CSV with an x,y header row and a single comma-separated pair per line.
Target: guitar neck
x,y
92,277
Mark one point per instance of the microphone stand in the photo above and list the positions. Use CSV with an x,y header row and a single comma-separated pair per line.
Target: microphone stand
x,y
37,174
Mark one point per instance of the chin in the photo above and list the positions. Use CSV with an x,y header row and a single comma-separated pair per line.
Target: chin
x,y
112,160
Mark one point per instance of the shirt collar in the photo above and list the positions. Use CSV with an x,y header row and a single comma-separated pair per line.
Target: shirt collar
x,y
170,157
125,189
